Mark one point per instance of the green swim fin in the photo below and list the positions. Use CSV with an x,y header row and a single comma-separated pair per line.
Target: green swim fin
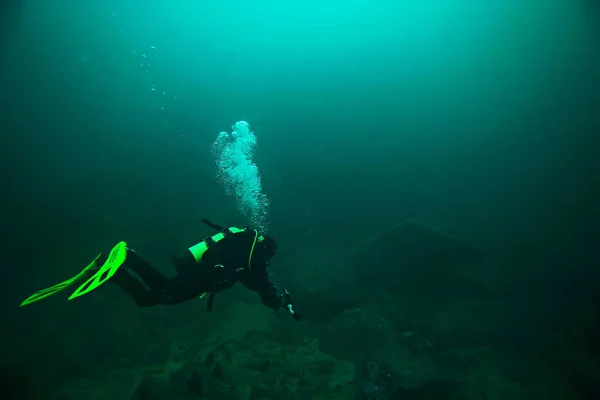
x,y
115,259
42,294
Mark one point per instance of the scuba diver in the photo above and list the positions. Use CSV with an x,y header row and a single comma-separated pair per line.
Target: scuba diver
x,y
210,266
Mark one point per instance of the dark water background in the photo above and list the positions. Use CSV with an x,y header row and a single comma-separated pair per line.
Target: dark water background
x,y
481,117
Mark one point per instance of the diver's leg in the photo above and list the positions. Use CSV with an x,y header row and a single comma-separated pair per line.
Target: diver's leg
x,y
191,281
187,286
148,286
134,288
156,280
145,284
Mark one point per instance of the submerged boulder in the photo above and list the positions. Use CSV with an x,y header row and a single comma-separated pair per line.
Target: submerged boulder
x,y
413,257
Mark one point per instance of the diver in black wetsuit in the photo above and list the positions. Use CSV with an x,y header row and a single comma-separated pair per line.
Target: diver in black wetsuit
x,y
214,264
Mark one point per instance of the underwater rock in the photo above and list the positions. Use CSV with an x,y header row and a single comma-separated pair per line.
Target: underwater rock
x,y
195,384
357,333
413,257
260,393
466,323
322,303
156,353
321,282
152,390
377,381
217,371
274,393
184,383
436,389
16,382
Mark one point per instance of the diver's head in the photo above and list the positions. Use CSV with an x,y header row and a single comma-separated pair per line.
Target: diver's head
x,y
270,247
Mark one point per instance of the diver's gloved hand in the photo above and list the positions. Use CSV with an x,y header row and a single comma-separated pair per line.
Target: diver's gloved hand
x,y
285,300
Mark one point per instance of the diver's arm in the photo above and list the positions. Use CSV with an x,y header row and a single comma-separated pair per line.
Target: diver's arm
x,y
274,298
212,225
269,296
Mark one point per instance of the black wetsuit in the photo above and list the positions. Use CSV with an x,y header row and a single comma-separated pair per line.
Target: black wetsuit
x,y
222,265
